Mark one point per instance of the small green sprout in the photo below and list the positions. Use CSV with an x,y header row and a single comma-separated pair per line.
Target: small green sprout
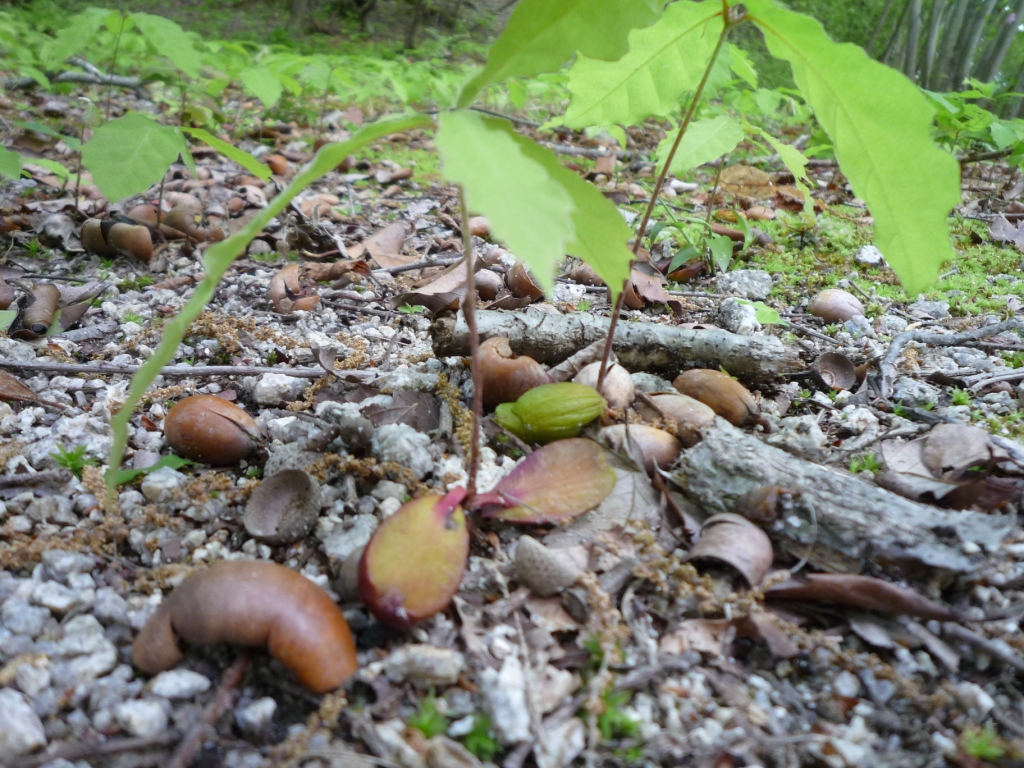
x,y
480,740
584,305
613,722
408,309
867,461
427,719
960,396
983,744
74,460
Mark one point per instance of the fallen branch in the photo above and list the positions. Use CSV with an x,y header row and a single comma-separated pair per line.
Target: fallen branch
x,y
896,346
172,371
665,349
859,524
91,76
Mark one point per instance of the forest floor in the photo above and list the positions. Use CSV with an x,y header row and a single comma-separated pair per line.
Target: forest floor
x,y
910,656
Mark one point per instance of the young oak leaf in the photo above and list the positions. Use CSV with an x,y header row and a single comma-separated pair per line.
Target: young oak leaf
x,y
263,84
529,210
704,141
601,232
240,156
75,36
542,34
664,61
170,40
129,155
880,124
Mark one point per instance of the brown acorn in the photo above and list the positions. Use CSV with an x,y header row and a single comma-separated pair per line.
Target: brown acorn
x,y
522,284
211,430
505,376
835,306
722,393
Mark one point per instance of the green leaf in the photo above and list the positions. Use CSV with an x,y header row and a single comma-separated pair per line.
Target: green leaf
x,y
74,37
880,124
219,257
764,314
123,476
541,35
602,235
742,66
795,161
169,40
1003,134
664,61
263,84
10,163
54,167
528,210
7,316
704,141
721,251
240,156
129,155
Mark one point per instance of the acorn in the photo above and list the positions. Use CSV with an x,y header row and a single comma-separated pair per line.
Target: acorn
x,y
211,430
690,415
657,447
835,306
505,377
551,412
720,392
618,387
544,570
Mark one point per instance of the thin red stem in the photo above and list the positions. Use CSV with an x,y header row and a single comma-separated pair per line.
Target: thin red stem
x,y
606,356
469,308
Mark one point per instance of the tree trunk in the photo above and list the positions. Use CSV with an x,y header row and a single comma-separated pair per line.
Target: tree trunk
x,y
940,73
878,27
934,25
300,9
913,40
1001,44
966,54
1014,110
410,33
891,45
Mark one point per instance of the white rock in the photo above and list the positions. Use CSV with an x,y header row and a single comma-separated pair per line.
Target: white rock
x,y
21,731
24,619
425,666
141,717
55,596
32,679
564,744
60,562
255,717
858,419
752,284
869,256
568,293
341,542
163,484
504,695
403,445
800,435
738,317
277,388
178,684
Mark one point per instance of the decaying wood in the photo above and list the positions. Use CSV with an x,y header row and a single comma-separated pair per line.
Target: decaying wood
x,y
859,525
664,349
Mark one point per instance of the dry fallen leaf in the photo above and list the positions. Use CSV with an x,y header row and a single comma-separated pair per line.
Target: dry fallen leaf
x,y
735,541
864,592
13,390
385,247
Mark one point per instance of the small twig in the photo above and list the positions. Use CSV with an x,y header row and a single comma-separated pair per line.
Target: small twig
x,y
510,118
809,332
221,703
85,751
896,346
1003,653
469,311
568,149
423,264
1011,376
35,478
174,371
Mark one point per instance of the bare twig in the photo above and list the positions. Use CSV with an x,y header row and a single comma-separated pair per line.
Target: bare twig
x,y
174,371
1002,652
221,703
422,265
36,478
469,310
896,346
85,751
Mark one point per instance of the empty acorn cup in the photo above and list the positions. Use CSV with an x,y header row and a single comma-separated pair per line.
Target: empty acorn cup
x,y
834,371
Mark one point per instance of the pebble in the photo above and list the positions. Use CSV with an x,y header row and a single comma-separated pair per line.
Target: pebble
x,y
929,309
178,684
858,325
141,717
504,695
738,317
109,607
31,679
424,666
889,325
869,256
649,382
24,619
403,445
914,393
163,484
255,717
21,730
752,284
277,388
61,563
55,596
800,435
340,542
